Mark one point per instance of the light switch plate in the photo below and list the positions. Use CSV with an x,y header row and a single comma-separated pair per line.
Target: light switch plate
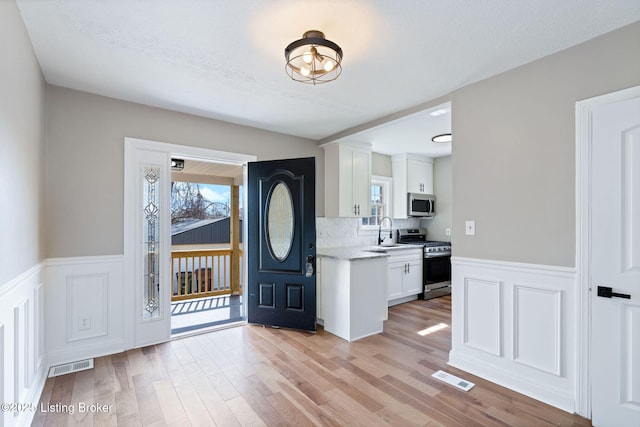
x,y
447,231
470,228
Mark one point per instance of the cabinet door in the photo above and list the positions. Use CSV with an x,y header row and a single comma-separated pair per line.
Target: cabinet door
x,y
395,279
361,181
413,278
319,313
419,176
345,184
347,187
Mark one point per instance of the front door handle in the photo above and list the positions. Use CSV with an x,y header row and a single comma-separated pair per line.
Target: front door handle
x,y
310,268
606,292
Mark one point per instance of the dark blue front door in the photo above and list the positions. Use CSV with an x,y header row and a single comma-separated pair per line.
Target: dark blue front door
x,y
282,243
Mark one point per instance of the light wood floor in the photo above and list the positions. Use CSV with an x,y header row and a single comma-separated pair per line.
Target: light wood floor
x,y
251,376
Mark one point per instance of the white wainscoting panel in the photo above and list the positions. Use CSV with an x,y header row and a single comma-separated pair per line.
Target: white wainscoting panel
x,y
482,326
87,299
85,315
515,324
537,327
23,368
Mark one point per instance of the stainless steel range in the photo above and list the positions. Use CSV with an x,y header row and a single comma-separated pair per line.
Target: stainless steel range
x,y
436,266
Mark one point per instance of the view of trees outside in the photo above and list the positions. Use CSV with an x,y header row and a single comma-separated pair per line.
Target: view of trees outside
x,y
199,201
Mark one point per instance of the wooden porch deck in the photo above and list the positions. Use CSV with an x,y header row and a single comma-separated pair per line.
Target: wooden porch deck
x,y
199,313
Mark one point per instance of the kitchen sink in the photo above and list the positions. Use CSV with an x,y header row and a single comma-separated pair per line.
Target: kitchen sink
x,y
386,248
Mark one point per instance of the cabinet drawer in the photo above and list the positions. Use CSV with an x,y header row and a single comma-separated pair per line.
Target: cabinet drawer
x,y
406,257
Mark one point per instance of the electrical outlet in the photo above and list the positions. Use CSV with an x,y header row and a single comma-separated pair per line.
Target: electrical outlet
x,y
447,231
84,323
470,228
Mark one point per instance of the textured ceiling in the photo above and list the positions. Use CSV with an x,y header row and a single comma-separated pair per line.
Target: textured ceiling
x,y
225,59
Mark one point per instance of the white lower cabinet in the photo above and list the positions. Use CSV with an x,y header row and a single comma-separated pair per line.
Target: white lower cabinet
x,y
404,276
352,296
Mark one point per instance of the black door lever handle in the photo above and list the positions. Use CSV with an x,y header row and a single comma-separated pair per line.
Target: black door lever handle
x,y
605,292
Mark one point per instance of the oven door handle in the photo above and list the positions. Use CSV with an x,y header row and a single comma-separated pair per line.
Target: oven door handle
x,y
437,255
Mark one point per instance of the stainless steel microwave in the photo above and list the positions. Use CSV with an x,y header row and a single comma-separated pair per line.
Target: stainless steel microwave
x,y
420,204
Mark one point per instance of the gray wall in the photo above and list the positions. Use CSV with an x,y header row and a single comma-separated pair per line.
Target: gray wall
x,y
442,189
85,155
22,99
380,164
514,150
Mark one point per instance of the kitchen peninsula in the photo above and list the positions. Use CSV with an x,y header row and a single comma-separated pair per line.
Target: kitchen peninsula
x,y
352,289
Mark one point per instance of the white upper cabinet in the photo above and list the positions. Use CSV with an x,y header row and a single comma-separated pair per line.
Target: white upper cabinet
x,y
411,174
347,176
419,176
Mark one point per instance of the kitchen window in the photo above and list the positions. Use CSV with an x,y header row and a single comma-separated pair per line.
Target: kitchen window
x,y
380,202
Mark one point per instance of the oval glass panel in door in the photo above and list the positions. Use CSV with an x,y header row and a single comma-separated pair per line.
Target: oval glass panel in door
x,y
280,221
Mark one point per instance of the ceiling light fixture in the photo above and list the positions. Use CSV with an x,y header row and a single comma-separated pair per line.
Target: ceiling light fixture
x,y
313,59
439,112
443,137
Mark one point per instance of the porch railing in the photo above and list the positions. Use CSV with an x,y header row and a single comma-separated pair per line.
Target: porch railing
x,y
201,273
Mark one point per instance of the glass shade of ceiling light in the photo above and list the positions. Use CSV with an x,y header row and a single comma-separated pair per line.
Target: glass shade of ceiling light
x,y
313,59
443,137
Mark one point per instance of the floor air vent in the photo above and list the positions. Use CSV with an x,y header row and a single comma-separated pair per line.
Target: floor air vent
x,y
453,380
68,368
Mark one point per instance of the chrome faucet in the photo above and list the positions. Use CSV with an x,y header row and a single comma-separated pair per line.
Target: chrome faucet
x,y
380,239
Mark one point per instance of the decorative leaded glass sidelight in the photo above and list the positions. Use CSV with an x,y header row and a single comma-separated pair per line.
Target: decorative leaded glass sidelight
x,y
151,242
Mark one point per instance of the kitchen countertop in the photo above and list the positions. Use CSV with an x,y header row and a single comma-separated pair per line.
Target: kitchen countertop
x,y
354,253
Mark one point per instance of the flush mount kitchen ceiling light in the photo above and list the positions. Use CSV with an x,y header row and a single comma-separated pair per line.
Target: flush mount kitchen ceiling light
x,y
444,137
313,59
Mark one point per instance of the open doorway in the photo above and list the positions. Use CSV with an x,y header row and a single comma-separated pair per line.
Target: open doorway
x,y
147,233
206,244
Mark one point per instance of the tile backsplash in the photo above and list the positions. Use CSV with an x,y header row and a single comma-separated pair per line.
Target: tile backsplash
x,y
339,232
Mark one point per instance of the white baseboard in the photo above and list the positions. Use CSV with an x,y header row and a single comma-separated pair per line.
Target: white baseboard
x,y
402,300
522,384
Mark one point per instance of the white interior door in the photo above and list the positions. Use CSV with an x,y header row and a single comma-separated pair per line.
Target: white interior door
x,y
615,263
